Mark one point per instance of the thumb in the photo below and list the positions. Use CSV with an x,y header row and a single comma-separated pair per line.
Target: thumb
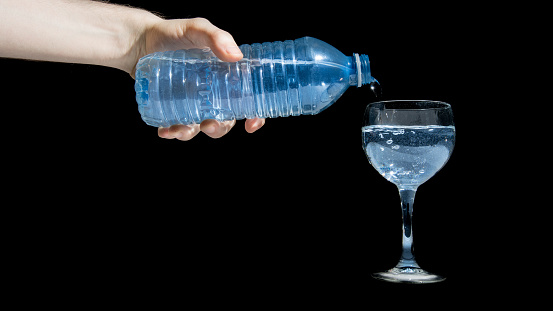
x,y
202,33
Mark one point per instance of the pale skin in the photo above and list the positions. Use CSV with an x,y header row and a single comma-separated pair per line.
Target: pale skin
x,y
97,33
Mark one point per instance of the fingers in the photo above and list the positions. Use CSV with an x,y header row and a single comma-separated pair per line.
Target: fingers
x,y
180,132
202,33
216,129
253,125
211,128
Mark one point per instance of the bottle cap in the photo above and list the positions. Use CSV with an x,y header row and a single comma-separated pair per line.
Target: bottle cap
x,y
358,63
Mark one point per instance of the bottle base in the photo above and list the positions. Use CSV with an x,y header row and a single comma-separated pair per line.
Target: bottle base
x,y
408,275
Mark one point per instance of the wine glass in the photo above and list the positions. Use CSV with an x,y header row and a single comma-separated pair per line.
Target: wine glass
x,y
407,142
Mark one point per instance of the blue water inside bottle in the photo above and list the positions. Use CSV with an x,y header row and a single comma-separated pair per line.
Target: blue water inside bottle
x,y
274,79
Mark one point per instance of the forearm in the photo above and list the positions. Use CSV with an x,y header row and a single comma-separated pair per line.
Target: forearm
x,y
76,31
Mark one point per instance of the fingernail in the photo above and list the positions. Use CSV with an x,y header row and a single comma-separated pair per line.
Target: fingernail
x,y
233,49
256,123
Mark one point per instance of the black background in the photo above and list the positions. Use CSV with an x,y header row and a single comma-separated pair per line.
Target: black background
x,y
295,210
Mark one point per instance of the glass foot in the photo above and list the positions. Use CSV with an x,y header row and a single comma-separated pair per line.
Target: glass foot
x,y
408,275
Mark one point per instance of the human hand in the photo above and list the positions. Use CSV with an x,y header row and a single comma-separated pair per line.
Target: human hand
x,y
99,33
166,35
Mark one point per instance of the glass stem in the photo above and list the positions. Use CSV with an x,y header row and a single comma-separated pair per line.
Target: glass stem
x,y
407,197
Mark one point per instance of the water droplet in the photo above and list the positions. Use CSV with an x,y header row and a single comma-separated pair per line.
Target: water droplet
x,y
375,87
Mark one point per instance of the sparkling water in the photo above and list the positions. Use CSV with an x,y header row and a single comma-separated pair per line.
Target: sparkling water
x,y
408,155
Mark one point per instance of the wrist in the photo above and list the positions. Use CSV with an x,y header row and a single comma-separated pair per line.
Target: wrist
x,y
133,38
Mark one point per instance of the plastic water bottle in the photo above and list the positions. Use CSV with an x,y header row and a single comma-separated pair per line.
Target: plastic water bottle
x,y
274,79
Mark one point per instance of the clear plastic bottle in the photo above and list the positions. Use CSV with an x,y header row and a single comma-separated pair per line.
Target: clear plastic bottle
x,y
274,79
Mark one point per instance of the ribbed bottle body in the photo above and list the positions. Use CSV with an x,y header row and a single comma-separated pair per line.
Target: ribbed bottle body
x,y
274,79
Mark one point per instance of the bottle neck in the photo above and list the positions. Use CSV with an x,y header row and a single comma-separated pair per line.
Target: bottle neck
x,y
362,69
